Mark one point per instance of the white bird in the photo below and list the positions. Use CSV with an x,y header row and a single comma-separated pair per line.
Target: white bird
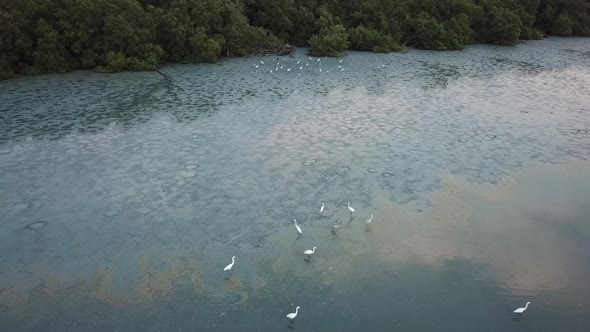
x,y
319,59
228,268
293,314
256,66
335,227
297,227
261,62
342,69
309,58
521,310
289,69
307,64
340,61
271,71
301,68
322,208
350,208
281,66
368,222
298,61
320,69
309,253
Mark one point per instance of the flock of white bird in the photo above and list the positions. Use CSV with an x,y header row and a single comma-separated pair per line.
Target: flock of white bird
x,y
310,252
297,66
281,66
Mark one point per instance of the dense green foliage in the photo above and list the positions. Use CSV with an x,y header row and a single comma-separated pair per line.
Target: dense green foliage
x,y
366,39
38,36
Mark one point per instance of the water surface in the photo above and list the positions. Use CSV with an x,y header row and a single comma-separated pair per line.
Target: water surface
x,y
123,196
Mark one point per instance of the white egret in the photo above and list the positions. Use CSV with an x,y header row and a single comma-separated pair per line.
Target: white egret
x,y
369,221
229,267
350,208
289,69
298,61
281,66
319,59
320,69
309,58
521,310
309,253
340,61
301,68
261,62
292,315
322,208
335,227
297,227
342,69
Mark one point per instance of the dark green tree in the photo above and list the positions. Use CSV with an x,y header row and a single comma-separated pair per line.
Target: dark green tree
x,y
366,39
331,41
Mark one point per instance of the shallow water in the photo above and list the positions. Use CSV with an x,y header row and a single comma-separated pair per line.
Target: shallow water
x,y
123,196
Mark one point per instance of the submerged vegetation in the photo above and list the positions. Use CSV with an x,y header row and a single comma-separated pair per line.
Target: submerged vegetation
x,y
44,36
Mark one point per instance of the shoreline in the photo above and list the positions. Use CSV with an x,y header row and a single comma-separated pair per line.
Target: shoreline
x,y
262,56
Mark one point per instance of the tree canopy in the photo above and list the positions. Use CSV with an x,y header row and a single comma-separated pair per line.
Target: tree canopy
x,y
45,36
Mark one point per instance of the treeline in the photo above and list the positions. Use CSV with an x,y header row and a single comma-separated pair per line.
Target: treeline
x,y
39,36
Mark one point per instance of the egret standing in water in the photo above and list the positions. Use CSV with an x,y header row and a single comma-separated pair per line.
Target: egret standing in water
x,y
350,208
299,232
228,268
351,211
521,310
369,221
309,253
322,208
292,315
335,226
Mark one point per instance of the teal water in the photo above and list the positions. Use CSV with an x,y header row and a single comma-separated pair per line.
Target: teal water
x,y
123,196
